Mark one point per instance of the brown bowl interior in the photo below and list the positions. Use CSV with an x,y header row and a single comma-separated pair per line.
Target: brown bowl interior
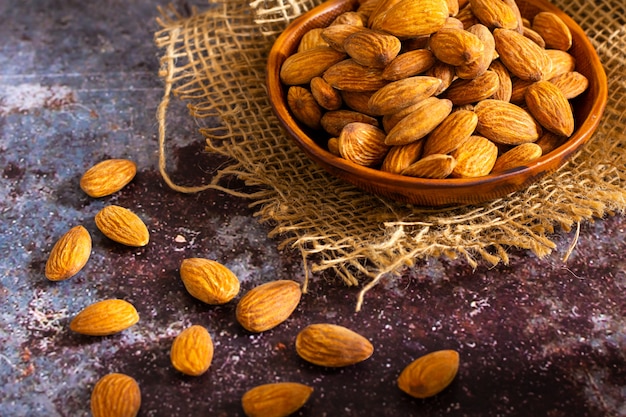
x,y
588,109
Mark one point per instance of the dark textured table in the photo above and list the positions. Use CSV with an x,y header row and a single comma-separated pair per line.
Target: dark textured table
x,y
78,84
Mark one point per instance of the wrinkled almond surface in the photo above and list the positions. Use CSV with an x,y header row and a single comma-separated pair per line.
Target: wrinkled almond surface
x,y
69,254
115,395
278,399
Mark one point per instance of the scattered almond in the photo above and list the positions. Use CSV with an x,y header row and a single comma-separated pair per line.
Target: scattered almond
x,y
115,395
209,281
122,225
429,374
105,318
107,177
268,305
331,345
278,399
69,254
192,351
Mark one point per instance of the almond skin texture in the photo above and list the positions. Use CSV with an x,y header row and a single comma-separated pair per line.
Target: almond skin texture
x,y
107,177
463,91
505,123
401,94
122,225
456,46
412,18
349,75
547,103
475,158
517,157
553,30
451,133
363,144
304,106
429,374
115,395
192,351
523,57
332,346
303,66
572,84
431,166
372,49
268,305
69,254
400,157
209,281
409,64
420,122
278,399
105,318
494,14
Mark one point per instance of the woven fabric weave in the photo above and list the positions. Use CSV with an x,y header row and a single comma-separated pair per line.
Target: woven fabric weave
x,y
215,60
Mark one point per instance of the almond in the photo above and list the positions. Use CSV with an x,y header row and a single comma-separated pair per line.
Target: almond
x,y
451,133
363,144
562,62
69,254
301,67
268,305
105,318
209,281
517,157
505,86
400,157
479,66
445,72
409,64
325,95
547,103
357,101
553,30
572,84
474,158
402,93
534,36
494,14
372,49
521,56
334,121
279,399
505,123
335,35
463,91
436,166
549,142
192,351
115,395
420,122
331,345
456,46
304,107
107,177
430,374
412,18
311,39
349,75
348,18
122,225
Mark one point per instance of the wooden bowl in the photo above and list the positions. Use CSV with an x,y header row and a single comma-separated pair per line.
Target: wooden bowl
x,y
588,109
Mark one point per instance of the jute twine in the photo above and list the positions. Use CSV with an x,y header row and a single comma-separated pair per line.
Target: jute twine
x,y
214,61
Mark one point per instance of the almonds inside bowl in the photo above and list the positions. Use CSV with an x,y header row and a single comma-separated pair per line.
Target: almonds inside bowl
x,y
404,70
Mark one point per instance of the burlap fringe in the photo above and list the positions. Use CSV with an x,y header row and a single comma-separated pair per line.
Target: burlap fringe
x,y
215,62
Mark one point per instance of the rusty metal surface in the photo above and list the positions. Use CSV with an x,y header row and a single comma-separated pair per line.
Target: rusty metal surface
x,y
78,84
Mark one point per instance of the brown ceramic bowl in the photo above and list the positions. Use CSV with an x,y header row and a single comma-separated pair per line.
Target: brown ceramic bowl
x,y
588,109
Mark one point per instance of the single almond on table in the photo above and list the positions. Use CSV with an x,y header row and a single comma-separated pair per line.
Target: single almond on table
x,y
115,395
192,351
122,225
107,177
279,399
429,374
209,281
331,345
69,254
105,318
268,305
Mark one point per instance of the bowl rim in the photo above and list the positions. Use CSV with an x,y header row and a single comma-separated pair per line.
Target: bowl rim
x,y
555,158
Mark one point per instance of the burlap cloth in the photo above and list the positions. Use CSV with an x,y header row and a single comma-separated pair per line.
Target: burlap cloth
x,y
214,60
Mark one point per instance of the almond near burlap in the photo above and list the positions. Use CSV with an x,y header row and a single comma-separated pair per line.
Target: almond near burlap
x,y
214,60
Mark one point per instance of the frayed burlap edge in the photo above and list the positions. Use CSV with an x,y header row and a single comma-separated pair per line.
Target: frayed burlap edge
x,y
215,62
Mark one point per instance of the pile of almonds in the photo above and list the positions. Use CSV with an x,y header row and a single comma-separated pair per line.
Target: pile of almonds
x,y
436,88
262,308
